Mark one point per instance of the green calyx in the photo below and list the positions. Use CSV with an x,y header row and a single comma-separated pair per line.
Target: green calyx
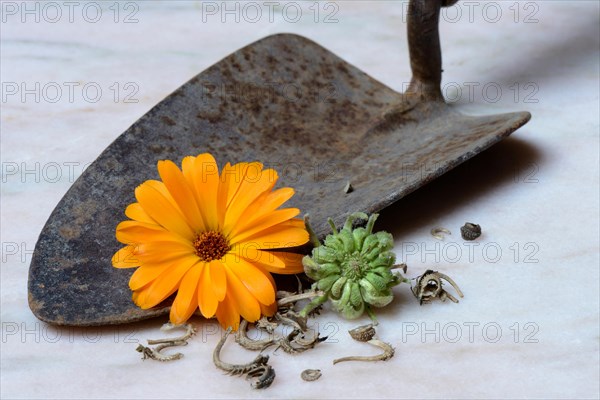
x,y
353,267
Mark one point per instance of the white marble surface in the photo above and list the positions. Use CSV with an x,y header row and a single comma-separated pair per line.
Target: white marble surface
x,y
535,194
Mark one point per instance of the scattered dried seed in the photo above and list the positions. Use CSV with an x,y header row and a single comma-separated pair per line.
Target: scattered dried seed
x,y
388,352
190,331
429,287
264,374
289,298
363,333
310,375
237,369
243,340
402,266
155,354
437,233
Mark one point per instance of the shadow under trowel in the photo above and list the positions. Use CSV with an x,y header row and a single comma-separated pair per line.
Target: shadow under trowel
x,y
510,161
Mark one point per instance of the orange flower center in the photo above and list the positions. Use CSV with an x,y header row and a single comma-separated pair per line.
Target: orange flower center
x,y
211,245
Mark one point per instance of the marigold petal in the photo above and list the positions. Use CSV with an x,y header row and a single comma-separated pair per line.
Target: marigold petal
x,y
253,255
218,279
135,297
268,221
186,301
202,173
291,233
162,210
187,168
246,303
135,212
278,262
255,182
161,251
162,189
234,178
125,258
253,278
263,205
293,262
207,301
227,314
131,232
183,195
269,310
144,275
229,183
166,283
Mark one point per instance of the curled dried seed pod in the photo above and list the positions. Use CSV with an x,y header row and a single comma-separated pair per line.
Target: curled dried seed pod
x,y
388,352
470,231
363,333
266,325
236,369
264,374
310,375
309,342
429,286
292,298
293,319
241,337
437,233
155,354
401,266
296,342
190,331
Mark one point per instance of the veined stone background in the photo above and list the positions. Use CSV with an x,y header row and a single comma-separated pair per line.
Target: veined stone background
x,y
75,75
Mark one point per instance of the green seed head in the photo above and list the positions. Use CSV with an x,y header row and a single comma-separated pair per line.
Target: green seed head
x,y
353,266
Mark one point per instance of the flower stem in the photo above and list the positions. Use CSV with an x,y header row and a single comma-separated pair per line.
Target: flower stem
x,y
316,302
311,233
296,297
371,315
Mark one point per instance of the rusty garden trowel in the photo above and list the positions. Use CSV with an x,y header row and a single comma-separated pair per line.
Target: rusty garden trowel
x,y
283,100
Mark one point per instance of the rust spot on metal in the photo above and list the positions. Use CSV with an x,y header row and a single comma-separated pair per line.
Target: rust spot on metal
x,y
168,121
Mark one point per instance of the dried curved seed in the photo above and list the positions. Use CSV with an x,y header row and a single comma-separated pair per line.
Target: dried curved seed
x,y
296,342
436,233
310,375
302,341
402,266
236,369
155,354
429,286
265,375
363,333
190,331
454,285
264,324
292,318
243,340
470,231
286,298
388,352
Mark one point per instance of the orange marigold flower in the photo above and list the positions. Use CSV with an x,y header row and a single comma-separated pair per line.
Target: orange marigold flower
x,y
211,238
